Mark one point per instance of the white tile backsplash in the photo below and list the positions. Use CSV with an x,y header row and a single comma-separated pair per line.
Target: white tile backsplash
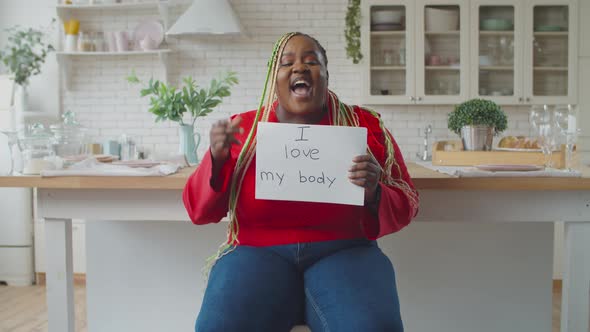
x,y
106,103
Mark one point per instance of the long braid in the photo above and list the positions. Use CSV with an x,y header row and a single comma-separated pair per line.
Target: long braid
x,y
340,114
247,153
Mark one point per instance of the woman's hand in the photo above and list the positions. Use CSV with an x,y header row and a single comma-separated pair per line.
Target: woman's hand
x,y
222,136
366,172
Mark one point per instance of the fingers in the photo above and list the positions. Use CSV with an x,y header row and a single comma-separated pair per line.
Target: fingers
x,y
222,136
365,172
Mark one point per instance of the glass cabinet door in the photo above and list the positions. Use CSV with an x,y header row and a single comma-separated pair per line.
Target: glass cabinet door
x,y
497,51
441,51
552,49
389,55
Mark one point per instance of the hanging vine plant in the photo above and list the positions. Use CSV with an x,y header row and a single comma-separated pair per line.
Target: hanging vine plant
x,y
352,31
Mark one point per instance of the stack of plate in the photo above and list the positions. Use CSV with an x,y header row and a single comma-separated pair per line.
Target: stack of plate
x,y
387,27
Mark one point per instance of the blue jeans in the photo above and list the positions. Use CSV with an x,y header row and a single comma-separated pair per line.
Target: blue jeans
x,y
337,286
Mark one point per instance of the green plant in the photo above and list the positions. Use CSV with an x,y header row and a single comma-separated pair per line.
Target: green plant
x,y
24,53
168,103
477,112
352,31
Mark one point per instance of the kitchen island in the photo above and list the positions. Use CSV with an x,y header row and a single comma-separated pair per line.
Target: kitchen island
x,y
478,257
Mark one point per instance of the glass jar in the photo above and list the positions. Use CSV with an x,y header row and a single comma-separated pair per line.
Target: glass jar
x,y
38,154
99,42
70,137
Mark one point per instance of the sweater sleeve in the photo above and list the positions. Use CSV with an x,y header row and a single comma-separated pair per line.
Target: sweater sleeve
x,y
398,203
206,199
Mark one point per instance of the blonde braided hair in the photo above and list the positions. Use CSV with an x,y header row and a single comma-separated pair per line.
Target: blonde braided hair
x,y
340,114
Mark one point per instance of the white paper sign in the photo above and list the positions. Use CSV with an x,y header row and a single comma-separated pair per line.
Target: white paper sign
x,y
308,163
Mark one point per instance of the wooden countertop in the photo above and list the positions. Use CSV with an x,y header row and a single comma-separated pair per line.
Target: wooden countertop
x,y
423,178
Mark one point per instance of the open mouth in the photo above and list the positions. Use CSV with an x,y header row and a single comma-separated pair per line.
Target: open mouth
x,y
301,88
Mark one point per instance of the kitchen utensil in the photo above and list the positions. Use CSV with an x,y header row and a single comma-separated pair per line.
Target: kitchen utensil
x,y
38,153
70,136
386,16
12,156
548,28
151,29
387,27
111,147
496,24
434,60
111,41
71,43
147,44
122,41
565,117
128,148
441,19
387,57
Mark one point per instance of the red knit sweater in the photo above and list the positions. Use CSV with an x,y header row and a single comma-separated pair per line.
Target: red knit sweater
x,y
270,222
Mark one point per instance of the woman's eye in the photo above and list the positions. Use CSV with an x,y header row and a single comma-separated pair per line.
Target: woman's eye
x,y
286,64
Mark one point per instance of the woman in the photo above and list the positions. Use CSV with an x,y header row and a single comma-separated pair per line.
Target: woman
x,y
291,262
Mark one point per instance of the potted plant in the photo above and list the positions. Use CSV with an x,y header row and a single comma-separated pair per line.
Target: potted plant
x,y
23,56
169,103
476,121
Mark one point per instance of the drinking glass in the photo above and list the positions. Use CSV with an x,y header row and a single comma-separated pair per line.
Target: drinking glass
x,y
540,118
534,118
565,117
13,151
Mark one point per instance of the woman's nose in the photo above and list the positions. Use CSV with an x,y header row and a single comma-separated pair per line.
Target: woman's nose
x,y
299,67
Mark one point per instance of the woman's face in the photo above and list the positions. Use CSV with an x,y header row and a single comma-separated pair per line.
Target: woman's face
x,y
302,80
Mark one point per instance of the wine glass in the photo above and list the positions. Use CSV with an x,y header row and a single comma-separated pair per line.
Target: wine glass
x,y
565,117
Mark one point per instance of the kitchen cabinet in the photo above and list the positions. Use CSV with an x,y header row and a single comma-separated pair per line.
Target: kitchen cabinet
x,y
95,15
524,52
447,51
423,59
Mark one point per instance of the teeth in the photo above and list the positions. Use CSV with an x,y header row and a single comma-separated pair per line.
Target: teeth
x,y
301,82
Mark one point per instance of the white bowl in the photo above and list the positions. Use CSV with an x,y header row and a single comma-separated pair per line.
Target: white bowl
x,y
440,19
386,16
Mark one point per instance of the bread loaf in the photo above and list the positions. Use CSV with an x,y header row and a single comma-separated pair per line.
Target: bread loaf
x,y
518,142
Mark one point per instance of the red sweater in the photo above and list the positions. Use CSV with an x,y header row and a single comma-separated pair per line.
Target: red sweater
x,y
270,222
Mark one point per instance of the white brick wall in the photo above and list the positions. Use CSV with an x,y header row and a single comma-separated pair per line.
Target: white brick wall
x,y
110,107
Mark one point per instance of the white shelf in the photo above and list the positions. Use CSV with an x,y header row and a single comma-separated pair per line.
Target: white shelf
x,y
388,33
152,52
550,68
65,12
497,68
496,32
127,8
551,33
442,67
442,33
64,9
126,5
388,68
